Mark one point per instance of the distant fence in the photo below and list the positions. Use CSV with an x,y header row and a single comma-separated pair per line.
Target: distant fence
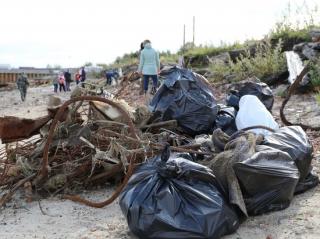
x,y
11,77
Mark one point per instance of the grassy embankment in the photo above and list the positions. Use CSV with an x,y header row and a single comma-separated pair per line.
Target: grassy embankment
x,y
265,61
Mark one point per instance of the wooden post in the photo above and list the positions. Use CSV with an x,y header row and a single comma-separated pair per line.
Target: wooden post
x,y
194,29
184,36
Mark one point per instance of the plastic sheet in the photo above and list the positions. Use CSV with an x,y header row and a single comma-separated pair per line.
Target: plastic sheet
x,y
253,113
176,198
186,98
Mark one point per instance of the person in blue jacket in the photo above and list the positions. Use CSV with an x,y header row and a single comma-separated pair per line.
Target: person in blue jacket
x,y
149,66
109,75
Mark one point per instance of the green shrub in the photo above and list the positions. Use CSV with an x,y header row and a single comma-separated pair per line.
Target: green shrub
x,y
132,58
295,24
267,61
318,98
210,50
168,57
315,73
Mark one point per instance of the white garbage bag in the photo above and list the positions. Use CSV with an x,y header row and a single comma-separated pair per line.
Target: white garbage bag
x,y
252,112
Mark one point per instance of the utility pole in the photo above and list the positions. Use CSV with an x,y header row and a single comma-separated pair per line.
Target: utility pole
x,y
194,29
184,36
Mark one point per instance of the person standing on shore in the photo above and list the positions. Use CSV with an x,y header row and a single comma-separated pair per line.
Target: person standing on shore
x,y
149,66
22,84
83,76
62,82
77,76
55,82
141,81
67,77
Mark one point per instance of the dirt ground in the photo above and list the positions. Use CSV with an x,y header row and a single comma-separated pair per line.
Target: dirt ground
x,y
57,218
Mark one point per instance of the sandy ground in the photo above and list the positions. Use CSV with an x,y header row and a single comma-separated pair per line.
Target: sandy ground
x,y
65,219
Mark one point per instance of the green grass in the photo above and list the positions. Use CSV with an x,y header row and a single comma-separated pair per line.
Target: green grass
x,y
133,59
167,57
287,32
267,61
210,50
315,73
296,22
318,98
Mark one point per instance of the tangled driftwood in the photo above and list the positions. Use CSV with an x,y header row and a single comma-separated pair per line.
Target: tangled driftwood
x,y
63,157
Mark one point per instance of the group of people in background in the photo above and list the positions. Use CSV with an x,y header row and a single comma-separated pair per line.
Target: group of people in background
x,y
63,81
149,67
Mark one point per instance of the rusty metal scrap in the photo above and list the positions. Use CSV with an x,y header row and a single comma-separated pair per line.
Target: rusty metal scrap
x,y
291,90
80,149
15,129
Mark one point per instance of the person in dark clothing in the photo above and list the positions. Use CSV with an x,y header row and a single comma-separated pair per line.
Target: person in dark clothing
x,y
67,77
109,75
55,84
141,48
83,76
22,83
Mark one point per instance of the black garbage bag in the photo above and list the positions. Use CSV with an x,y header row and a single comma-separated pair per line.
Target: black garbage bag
x,y
294,141
225,119
186,98
175,198
267,179
311,181
250,87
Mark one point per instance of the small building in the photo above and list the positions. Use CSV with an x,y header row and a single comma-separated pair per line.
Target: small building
x,y
11,75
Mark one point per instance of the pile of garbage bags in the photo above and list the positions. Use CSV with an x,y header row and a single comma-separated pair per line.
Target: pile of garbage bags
x,y
248,104
170,196
188,98
251,170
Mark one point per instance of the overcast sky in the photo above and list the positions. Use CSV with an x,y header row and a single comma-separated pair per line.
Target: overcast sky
x,y
70,33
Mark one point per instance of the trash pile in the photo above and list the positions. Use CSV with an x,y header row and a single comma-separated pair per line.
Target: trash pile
x,y
187,167
255,166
